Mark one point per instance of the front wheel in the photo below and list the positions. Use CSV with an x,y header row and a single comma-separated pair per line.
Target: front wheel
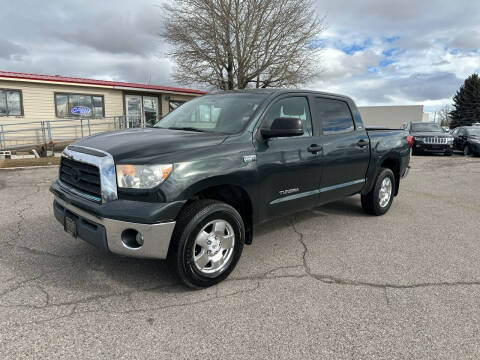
x,y
206,244
379,199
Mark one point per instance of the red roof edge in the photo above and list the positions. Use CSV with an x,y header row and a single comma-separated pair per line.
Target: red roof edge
x,y
74,80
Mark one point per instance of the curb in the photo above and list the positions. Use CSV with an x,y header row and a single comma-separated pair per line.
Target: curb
x,y
28,167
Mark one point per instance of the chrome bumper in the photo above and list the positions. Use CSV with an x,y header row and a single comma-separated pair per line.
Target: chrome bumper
x,y
156,237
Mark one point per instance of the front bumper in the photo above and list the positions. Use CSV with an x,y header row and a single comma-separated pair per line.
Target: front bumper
x,y
420,146
109,234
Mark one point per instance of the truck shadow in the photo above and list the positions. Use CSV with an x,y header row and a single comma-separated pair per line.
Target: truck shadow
x,y
347,207
70,270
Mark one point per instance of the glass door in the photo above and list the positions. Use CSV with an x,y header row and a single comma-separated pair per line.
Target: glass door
x,y
133,106
150,110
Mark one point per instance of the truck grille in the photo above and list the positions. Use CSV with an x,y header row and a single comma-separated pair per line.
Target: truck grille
x,y
82,177
435,140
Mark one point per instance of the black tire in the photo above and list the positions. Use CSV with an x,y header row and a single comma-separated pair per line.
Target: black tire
x,y
371,200
190,222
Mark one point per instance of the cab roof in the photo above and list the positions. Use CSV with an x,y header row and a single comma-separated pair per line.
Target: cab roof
x,y
274,91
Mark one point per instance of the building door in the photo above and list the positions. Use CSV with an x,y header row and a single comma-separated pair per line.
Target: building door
x,y
133,106
150,110
141,110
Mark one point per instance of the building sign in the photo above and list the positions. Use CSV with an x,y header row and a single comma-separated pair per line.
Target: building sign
x,y
81,110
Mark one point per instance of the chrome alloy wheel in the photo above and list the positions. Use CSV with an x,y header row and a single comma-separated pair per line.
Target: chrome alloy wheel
x,y
385,192
213,247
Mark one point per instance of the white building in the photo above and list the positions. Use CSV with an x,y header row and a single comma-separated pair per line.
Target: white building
x,y
392,116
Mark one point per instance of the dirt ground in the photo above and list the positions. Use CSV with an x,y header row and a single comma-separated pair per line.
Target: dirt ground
x,y
13,163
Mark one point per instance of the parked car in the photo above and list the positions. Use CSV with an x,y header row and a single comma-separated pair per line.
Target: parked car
x,y
467,139
429,137
192,188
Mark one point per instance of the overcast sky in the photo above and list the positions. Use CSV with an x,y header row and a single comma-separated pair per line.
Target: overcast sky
x,y
379,52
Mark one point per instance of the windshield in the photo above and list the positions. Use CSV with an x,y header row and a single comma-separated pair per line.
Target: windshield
x,y
222,113
426,128
474,132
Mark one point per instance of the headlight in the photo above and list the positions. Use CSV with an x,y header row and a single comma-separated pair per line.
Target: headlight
x,y
142,176
476,141
418,138
449,140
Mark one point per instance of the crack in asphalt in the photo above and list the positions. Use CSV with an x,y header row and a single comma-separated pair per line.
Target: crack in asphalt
x,y
329,279
76,303
37,251
128,294
21,283
20,213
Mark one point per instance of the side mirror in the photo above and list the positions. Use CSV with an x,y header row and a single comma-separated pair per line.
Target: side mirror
x,y
283,127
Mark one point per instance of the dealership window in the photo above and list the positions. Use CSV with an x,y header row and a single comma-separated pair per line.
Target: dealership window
x,y
10,102
79,105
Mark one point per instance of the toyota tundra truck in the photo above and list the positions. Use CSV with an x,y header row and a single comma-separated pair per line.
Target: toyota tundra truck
x,y
192,188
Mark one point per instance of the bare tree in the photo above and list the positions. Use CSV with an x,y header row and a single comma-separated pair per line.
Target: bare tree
x,y
444,115
232,44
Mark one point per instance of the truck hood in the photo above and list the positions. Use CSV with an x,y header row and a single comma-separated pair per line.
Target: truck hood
x,y
150,142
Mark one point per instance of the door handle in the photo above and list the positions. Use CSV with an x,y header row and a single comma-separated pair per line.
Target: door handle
x,y
362,143
314,148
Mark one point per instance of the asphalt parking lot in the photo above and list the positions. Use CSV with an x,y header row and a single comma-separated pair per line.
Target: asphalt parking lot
x,y
329,283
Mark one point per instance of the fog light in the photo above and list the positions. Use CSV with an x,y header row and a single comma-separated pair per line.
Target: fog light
x,y
132,239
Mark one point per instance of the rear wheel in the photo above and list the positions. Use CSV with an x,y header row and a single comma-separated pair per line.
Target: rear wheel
x,y
379,199
206,244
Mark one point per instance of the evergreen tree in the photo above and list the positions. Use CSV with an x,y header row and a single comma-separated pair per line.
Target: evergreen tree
x,y
466,103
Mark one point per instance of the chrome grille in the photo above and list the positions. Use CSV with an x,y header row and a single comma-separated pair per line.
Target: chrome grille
x,y
84,178
435,140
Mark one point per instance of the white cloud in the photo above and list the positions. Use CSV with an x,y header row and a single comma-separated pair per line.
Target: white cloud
x,y
379,52
407,52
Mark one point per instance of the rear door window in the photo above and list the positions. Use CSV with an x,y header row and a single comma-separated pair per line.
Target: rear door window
x,y
335,116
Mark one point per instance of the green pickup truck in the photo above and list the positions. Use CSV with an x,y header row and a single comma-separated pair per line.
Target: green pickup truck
x,y
192,188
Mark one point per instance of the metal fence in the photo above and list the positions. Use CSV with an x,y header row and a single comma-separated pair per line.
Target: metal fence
x,y
28,134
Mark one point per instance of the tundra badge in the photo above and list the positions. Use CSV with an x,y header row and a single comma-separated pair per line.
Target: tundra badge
x,y
289,191
249,158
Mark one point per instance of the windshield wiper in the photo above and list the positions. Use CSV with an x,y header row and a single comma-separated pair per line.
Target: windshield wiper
x,y
186,128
